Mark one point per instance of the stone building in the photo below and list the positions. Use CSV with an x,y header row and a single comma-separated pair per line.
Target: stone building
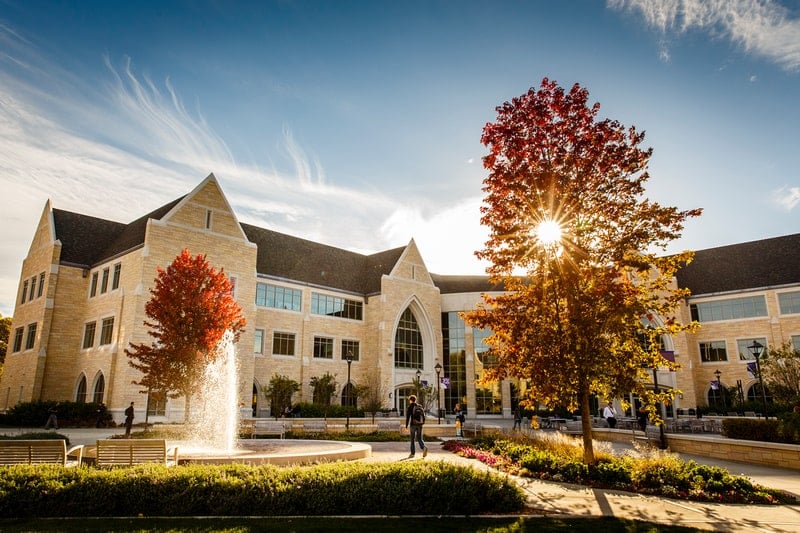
x,y
85,282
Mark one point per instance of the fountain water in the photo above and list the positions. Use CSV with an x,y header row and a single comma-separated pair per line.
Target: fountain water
x,y
215,414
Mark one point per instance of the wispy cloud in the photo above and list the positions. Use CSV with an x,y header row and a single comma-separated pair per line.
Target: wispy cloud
x,y
787,197
120,146
764,28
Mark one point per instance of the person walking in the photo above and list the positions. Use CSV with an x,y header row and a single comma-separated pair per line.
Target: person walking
x,y
128,420
415,419
517,419
610,414
642,418
460,419
52,419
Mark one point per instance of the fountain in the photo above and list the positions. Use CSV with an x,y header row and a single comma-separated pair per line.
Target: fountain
x,y
213,437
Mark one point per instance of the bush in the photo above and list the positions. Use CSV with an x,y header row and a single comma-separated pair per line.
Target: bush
x,y
242,490
750,429
314,410
34,414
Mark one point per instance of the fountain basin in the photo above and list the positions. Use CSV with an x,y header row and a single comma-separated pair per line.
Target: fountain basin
x,y
281,452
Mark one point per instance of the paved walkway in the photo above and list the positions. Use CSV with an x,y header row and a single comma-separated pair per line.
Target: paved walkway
x,y
560,499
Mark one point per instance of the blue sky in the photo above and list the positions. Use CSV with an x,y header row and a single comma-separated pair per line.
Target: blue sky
x,y
357,123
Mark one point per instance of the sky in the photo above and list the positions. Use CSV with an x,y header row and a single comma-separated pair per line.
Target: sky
x,y
357,123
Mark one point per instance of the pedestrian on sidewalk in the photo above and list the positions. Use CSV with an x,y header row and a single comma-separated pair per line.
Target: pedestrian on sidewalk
x,y
415,419
128,420
52,420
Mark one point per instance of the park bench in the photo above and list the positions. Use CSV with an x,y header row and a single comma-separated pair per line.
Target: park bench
x,y
572,427
127,452
388,425
269,427
476,428
315,426
18,451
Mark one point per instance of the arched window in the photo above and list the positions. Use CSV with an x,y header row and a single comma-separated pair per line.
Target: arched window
x,y
99,389
349,397
80,395
408,342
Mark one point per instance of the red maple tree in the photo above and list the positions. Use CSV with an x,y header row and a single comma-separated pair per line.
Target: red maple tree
x,y
190,309
574,240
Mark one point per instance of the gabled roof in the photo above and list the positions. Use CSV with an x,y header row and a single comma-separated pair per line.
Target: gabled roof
x,y
750,265
291,258
88,240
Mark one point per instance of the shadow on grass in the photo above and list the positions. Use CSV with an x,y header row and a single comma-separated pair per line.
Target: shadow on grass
x,y
351,524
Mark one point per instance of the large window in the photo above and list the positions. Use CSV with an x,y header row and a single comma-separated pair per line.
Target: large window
x,y
156,403
713,351
107,331
353,347
455,363
99,389
324,304
31,339
88,334
789,302
744,353
80,394
282,343
278,297
731,309
408,342
323,348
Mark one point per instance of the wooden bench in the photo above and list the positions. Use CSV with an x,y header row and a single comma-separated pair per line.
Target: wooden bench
x,y
127,452
315,426
388,425
28,452
476,428
269,427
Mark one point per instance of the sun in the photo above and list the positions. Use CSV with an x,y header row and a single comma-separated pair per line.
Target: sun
x,y
548,232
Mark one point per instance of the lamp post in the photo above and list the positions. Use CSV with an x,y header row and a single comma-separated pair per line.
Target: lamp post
x,y
757,349
349,358
717,373
662,437
438,369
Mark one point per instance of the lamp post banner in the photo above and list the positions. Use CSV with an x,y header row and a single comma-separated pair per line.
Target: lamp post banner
x,y
445,382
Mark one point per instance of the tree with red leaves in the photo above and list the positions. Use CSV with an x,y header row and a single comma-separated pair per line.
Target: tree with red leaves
x,y
190,309
565,205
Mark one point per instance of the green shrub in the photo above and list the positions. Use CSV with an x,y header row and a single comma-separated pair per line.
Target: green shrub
x,y
752,429
34,414
242,490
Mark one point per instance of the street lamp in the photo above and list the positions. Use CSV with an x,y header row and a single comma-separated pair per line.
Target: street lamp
x,y
756,349
719,386
349,358
438,369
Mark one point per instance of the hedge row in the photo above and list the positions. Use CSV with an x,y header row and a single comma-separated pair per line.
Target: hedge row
x,y
409,488
786,429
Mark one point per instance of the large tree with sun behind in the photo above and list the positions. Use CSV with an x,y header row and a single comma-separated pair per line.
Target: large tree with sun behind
x,y
580,250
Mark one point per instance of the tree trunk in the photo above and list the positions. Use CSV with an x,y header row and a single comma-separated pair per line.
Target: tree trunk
x,y
586,426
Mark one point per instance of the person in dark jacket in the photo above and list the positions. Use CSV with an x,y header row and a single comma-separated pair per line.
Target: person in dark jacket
x,y
128,420
414,424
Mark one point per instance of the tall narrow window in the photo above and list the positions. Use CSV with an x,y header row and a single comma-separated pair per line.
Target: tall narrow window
x,y
99,389
93,286
31,340
106,331
41,284
88,335
115,279
104,283
18,334
24,291
32,295
258,344
208,218
80,395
